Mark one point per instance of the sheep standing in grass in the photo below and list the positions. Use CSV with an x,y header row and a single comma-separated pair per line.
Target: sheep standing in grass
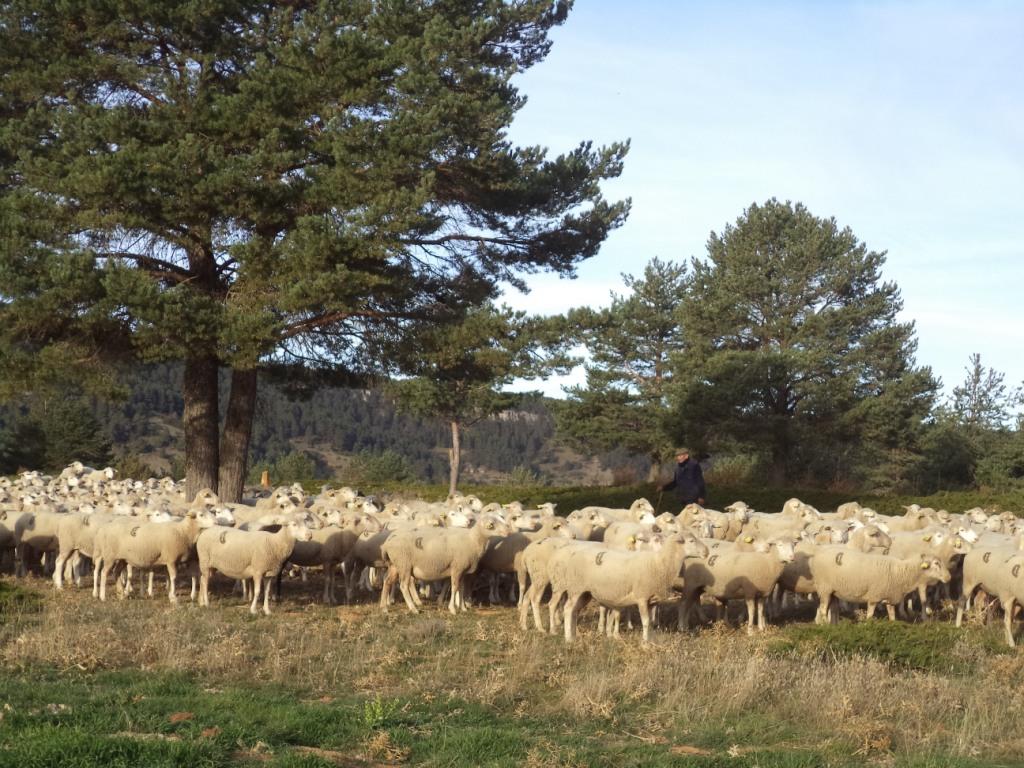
x,y
618,579
256,555
503,554
736,574
330,545
984,568
857,577
147,545
435,554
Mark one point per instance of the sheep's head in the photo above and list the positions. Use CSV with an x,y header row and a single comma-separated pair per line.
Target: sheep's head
x,y
205,498
460,518
224,516
692,546
641,504
300,530
492,525
784,549
933,568
547,509
558,527
523,522
976,515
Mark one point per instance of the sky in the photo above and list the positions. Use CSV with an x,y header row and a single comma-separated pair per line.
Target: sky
x,y
903,120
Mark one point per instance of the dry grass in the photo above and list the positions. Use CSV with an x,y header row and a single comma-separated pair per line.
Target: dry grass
x,y
717,687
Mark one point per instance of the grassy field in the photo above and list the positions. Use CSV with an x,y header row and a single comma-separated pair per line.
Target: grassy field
x,y
137,682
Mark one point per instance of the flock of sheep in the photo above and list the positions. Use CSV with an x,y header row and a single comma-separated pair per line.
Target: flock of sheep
x,y
663,567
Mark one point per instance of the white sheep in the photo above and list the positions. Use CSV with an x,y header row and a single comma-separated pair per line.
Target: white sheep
x,y
256,555
431,554
736,574
857,577
618,579
149,544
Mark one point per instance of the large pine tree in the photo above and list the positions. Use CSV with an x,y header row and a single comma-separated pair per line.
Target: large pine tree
x,y
793,345
248,184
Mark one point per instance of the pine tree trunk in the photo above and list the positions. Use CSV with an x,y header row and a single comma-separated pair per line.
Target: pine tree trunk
x,y
202,457
455,459
234,444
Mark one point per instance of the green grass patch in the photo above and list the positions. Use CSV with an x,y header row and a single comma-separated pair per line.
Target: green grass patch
x,y
132,718
15,598
931,646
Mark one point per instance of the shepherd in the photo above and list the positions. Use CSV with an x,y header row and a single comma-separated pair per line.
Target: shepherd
x,y
688,480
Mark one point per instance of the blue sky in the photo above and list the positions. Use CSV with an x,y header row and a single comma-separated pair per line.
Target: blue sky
x,y
904,121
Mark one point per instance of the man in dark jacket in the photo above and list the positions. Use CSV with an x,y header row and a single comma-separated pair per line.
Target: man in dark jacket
x,y
688,480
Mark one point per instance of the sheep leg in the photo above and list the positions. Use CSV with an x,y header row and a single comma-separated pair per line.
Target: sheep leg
x,y
524,609
891,610
204,587
58,571
97,563
824,603
762,620
965,598
266,594
553,605
751,614
257,586
388,580
521,579
104,573
645,619
149,588
1008,603
602,618
572,607
926,608
82,567
456,587
172,581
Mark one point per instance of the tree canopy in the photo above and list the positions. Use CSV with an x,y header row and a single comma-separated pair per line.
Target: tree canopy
x,y
255,184
793,346
456,371
631,345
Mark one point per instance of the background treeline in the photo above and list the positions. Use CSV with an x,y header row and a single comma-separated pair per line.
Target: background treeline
x,y
334,433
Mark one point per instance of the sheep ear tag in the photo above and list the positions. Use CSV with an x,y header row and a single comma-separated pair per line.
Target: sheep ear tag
x,y
926,538
924,566
748,539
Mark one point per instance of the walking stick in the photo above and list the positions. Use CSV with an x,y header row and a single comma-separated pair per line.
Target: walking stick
x,y
657,507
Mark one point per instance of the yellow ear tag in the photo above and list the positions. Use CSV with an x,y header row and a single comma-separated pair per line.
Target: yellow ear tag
x,y
632,539
924,566
749,539
927,538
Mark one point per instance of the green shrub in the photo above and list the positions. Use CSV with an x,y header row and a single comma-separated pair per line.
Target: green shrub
x,y
927,646
370,469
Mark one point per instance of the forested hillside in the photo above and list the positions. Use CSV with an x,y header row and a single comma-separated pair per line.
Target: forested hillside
x,y
336,426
